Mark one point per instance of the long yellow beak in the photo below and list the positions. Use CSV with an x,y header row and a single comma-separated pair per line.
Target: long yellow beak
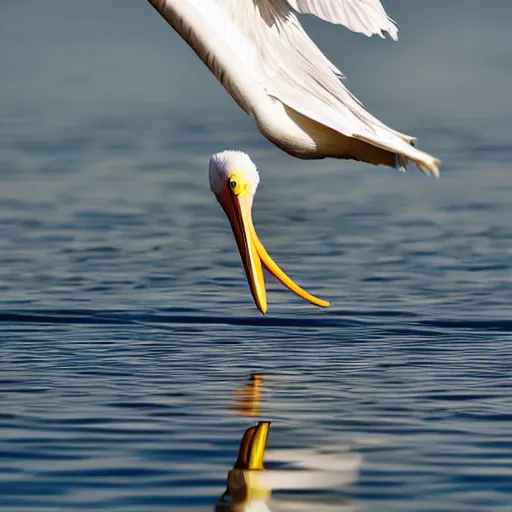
x,y
253,254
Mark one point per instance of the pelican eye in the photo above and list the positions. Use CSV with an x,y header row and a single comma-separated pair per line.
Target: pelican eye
x,y
233,184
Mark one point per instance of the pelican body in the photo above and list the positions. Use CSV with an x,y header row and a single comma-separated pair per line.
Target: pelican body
x,y
260,53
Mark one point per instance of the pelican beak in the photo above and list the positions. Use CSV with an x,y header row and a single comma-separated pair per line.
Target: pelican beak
x,y
237,207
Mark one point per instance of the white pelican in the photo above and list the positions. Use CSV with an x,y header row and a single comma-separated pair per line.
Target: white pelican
x,y
260,53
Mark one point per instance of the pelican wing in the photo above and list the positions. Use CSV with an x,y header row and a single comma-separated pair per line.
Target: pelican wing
x,y
259,50
367,17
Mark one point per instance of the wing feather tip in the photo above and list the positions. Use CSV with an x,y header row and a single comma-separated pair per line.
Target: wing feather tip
x,y
429,167
391,30
393,35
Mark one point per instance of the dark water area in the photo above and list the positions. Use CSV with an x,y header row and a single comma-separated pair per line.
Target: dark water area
x,y
127,331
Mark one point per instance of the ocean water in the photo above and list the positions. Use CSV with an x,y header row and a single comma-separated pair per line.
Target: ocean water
x,y
127,331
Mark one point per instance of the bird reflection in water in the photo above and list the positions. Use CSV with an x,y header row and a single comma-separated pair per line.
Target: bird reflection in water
x,y
245,490
247,401
250,485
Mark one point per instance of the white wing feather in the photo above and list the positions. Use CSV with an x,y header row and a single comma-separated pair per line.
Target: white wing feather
x,y
258,48
367,17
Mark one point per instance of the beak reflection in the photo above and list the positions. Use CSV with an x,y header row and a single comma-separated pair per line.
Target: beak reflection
x,y
250,485
247,401
237,207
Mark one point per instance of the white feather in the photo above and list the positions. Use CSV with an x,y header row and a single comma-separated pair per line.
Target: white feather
x,y
261,54
367,17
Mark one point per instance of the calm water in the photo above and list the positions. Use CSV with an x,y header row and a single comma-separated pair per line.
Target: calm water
x,y
126,327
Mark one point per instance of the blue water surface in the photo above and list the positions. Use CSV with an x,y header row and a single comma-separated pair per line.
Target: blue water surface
x,y
126,326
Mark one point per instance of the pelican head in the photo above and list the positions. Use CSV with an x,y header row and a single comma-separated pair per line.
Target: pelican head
x,y
234,180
